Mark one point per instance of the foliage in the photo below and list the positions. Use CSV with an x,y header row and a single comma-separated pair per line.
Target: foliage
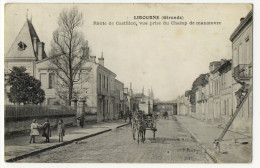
x,y
202,80
23,87
69,52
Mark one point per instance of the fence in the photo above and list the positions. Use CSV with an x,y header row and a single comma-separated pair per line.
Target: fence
x,y
21,111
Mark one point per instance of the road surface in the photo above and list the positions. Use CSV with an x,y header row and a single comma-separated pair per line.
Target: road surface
x,y
173,144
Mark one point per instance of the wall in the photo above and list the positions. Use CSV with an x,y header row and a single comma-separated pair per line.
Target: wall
x,y
24,125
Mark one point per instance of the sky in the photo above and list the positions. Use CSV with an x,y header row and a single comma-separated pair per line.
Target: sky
x,y
165,58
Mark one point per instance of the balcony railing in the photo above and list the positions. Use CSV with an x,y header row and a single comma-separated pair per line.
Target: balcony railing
x,y
243,72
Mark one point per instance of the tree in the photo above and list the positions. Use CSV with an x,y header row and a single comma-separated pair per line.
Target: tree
x,y
69,52
202,80
23,87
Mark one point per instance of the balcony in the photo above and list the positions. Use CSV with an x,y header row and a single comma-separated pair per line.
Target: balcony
x,y
243,72
102,93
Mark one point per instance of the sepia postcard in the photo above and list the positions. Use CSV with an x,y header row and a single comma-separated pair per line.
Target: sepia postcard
x,y
128,83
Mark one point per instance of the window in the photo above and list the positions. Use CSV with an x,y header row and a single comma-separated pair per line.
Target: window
x,y
107,107
21,46
240,54
227,107
51,81
235,57
100,82
107,83
44,79
51,101
104,81
247,53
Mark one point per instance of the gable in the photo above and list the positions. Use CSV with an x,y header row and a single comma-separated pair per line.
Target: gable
x,y
24,37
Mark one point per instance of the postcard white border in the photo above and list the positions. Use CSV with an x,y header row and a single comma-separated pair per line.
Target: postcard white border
x,y
256,90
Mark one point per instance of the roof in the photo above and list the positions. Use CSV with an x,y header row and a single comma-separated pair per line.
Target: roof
x,y
106,69
25,35
119,81
242,24
224,67
215,63
139,95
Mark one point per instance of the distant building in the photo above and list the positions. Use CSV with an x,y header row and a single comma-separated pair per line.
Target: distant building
x,y
214,100
183,105
145,101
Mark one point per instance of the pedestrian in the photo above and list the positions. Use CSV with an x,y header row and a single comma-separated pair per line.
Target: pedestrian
x,y
46,130
130,117
126,115
61,130
34,130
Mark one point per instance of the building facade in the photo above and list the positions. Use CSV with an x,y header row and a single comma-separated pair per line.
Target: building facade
x,y
97,84
217,101
183,105
242,70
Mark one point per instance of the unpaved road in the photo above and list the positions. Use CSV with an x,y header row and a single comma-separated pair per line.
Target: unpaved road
x,y
173,144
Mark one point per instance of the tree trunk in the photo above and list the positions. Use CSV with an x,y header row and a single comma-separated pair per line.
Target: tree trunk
x,y
70,93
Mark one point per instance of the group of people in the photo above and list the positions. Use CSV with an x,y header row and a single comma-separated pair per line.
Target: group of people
x,y
46,128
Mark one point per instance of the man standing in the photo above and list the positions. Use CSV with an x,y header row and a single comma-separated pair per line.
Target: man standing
x,y
46,130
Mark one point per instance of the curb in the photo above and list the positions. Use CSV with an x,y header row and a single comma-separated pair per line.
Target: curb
x,y
122,125
212,158
59,145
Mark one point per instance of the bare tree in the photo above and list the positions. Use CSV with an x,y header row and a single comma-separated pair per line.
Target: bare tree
x,y
69,50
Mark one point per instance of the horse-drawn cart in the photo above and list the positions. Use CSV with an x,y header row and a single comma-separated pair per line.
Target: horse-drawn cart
x,y
143,122
150,121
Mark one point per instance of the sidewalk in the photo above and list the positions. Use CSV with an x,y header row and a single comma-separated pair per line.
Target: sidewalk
x,y
232,148
19,147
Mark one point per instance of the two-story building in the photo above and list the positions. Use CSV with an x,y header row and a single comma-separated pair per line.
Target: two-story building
x,y
119,99
97,84
242,70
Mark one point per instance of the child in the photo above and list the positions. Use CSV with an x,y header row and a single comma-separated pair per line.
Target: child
x,y
34,130
61,130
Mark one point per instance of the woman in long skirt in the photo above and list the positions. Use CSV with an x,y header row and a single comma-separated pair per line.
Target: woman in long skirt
x,y
61,130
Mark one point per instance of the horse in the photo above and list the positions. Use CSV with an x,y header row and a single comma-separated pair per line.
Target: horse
x,y
141,129
139,125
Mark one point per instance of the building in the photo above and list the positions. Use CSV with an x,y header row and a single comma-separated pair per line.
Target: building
x,y
134,102
145,102
183,105
242,70
127,103
119,99
97,84
214,99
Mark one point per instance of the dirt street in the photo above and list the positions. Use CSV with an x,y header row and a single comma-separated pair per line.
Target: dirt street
x,y
173,144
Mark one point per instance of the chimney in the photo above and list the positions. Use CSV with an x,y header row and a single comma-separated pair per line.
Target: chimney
x,y
241,19
93,58
101,60
35,45
85,51
131,85
40,50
